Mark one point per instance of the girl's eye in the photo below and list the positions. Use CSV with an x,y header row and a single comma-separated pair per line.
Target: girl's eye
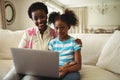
x,y
62,28
56,28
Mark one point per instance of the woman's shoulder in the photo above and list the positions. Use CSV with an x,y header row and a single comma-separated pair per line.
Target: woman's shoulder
x,y
52,33
31,31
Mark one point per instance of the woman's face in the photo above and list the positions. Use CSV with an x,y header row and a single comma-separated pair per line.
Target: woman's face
x,y
39,17
61,29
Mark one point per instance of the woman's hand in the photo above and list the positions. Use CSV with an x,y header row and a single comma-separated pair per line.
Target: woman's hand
x,y
78,41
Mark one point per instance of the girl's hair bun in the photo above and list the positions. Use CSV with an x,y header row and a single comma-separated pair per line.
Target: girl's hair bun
x,y
52,17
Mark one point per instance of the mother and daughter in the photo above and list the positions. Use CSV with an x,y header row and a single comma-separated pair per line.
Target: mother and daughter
x,y
42,37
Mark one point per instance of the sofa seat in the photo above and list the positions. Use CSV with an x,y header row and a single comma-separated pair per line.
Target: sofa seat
x,y
93,45
5,66
90,72
8,39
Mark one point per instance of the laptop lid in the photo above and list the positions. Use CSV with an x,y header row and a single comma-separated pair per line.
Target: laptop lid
x,y
36,62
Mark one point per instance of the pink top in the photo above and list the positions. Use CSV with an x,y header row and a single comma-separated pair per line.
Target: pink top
x,y
32,39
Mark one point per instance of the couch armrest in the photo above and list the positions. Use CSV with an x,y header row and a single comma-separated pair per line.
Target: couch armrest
x,y
12,75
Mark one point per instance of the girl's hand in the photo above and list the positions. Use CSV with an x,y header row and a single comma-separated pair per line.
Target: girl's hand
x,y
62,71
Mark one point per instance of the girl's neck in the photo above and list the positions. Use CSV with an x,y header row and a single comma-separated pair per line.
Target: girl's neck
x,y
64,38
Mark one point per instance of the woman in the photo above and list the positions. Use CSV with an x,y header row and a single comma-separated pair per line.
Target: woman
x,y
36,37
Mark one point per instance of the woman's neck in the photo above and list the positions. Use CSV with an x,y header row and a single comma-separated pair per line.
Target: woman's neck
x,y
42,31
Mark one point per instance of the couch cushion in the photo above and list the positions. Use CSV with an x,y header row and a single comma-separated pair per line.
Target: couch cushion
x,y
8,39
5,66
92,45
89,72
110,55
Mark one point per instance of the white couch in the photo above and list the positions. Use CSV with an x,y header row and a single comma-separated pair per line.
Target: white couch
x,y
93,45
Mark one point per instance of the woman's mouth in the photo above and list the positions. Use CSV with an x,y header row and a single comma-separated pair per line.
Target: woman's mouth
x,y
40,25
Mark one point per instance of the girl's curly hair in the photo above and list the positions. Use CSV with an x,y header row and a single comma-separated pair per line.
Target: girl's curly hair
x,y
69,17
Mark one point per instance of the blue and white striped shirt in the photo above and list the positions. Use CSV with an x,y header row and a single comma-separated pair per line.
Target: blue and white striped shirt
x,y
66,49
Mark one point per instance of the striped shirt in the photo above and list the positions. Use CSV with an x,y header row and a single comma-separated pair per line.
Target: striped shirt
x,y
66,49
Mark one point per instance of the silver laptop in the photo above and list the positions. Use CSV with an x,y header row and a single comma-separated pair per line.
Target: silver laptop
x,y
36,62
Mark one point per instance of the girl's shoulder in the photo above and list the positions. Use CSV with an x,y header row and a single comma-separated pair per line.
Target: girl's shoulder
x,y
53,40
72,39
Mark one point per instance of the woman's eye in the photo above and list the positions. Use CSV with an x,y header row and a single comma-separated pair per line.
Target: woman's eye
x,y
36,18
40,17
62,28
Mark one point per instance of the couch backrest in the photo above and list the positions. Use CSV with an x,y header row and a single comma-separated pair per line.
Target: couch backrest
x,y
92,45
9,39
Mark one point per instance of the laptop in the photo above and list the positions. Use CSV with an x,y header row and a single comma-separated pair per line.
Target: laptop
x,y
36,62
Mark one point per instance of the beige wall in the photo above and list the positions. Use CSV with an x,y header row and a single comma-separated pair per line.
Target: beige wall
x,y
2,15
22,20
95,19
0,20
108,20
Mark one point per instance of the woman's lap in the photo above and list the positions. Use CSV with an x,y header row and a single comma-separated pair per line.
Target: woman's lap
x,y
69,76
14,76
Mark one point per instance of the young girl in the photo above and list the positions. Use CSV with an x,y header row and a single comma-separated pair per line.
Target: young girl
x,y
69,51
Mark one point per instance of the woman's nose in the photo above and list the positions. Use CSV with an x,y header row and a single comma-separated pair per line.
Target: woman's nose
x,y
39,20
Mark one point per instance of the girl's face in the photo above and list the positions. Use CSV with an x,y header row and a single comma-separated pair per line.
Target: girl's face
x,y
61,29
39,17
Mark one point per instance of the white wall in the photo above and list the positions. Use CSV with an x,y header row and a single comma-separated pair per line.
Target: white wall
x,y
95,20
0,20
0,17
22,21
108,20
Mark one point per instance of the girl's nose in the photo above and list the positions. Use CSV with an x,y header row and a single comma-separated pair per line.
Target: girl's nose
x,y
59,30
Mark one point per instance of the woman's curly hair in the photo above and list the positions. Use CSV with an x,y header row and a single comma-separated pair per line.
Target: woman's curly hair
x,y
37,6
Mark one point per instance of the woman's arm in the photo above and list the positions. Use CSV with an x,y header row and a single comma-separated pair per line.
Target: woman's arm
x,y
23,40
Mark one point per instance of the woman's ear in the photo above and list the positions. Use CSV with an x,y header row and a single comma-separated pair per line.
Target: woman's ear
x,y
69,27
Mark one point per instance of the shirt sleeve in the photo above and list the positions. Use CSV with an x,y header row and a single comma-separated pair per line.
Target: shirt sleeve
x,y
23,41
76,46
50,45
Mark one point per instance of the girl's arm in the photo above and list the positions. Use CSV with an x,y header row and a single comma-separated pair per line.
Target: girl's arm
x,y
76,65
72,66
